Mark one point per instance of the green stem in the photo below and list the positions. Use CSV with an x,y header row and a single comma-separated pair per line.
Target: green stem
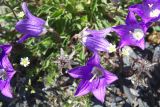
x,y
11,8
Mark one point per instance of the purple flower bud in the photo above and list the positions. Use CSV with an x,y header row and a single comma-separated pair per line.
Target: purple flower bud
x,y
30,26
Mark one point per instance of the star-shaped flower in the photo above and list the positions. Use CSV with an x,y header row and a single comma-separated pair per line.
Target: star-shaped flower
x,y
25,61
148,10
132,33
94,78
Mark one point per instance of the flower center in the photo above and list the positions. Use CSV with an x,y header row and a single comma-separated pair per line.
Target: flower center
x,y
3,74
154,13
96,73
111,48
138,34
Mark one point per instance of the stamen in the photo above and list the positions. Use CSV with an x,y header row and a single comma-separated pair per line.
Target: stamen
x,y
96,73
94,76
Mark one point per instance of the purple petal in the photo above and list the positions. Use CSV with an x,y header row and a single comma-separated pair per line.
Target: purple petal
x,y
2,84
131,19
96,43
94,60
6,91
38,21
25,27
138,8
25,37
121,30
82,72
141,44
150,1
26,10
5,85
84,87
99,33
131,42
6,49
6,63
109,77
98,88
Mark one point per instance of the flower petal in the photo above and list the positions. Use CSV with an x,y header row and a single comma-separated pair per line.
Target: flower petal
x,y
109,77
131,19
6,49
2,84
96,43
24,37
94,60
121,30
150,1
84,87
82,72
138,9
26,10
98,89
30,17
6,63
141,44
6,91
99,33
25,27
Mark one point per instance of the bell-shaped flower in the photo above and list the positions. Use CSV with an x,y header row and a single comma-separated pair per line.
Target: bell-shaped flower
x,y
94,78
148,10
6,71
30,26
95,40
132,33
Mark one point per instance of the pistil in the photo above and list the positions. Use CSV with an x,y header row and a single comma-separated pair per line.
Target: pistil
x,y
3,75
96,73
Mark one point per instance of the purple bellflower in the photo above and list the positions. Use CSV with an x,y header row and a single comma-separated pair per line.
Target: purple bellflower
x,y
30,26
94,78
95,40
148,10
6,71
132,33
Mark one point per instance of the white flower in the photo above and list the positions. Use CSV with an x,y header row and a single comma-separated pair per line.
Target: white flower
x,y
111,48
125,51
25,61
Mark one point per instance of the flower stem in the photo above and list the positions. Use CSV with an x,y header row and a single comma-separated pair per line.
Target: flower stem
x,y
11,8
